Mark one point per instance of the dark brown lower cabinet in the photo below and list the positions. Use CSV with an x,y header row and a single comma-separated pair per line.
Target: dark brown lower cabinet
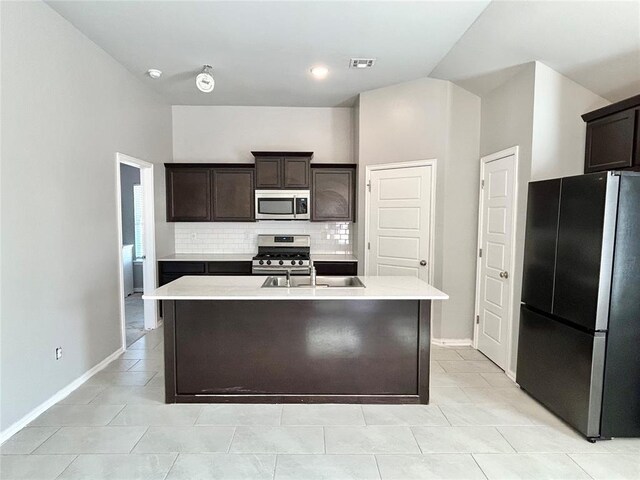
x,y
170,270
336,268
297,351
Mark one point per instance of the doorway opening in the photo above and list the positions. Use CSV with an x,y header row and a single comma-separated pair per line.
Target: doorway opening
x,y
136,242
496,255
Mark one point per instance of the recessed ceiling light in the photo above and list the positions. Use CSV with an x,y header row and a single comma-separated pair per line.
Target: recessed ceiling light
x,y
154,73
205,81
319,71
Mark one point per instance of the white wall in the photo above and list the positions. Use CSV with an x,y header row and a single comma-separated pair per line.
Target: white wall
x,y
212,134
59,221
420,120
229,134
558,129
242,238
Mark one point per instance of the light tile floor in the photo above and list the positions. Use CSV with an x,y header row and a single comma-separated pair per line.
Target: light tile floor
x,y
134,317
479,425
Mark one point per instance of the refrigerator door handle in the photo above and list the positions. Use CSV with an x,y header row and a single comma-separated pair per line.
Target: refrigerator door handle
x,y
606,260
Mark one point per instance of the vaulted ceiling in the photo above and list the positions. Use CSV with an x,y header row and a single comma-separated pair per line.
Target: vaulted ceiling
x,y
261,51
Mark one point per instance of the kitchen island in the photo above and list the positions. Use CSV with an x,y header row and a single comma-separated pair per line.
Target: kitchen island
x,y
227,339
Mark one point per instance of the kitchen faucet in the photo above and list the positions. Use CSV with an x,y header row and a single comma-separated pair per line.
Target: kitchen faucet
x,y
287,272
312,273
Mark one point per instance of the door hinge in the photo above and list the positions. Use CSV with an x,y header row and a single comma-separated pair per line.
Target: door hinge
x,y
369,186
482,183
480,253
477,319
368,245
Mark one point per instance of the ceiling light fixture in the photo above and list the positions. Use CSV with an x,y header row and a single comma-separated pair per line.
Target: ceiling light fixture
x,y
204,80
319,71
154,73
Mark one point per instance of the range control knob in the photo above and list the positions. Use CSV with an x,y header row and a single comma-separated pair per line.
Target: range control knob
x,y
261,262
299,262
268,262
293,262
281,262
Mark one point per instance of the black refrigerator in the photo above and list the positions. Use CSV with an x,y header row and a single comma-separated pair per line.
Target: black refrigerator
x,y
579,337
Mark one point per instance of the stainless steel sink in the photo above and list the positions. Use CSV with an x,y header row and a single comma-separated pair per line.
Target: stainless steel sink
x,y
305,282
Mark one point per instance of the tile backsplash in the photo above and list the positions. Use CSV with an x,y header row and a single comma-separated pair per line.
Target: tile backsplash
x,y
243,237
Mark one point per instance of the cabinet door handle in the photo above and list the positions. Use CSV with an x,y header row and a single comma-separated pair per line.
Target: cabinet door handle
x,y
504,274
423,263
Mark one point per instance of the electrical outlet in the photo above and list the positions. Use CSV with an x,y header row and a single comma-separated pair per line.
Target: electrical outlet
x,y
58,353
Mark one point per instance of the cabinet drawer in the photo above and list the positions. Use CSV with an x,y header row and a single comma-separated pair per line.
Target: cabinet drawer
x,y
182,267
336,268
229,268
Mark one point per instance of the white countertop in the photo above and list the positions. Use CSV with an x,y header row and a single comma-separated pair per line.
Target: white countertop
x,y
249,288
247,257
208,257
337,257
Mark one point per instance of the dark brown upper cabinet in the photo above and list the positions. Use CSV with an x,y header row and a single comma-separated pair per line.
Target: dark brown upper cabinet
x,y
613,137
232,194
188,194
269,173
210,192
333,193
282,170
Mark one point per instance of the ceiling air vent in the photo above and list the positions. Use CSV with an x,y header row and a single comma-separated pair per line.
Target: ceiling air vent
x,y
362,62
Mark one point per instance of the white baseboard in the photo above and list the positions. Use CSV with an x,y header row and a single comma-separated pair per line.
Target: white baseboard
x,y
452,342
64,392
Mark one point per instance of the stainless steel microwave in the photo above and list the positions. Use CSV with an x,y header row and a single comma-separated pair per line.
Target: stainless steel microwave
x,y
282,204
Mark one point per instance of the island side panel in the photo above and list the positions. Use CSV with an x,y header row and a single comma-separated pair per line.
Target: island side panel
x,y
169,309
424,352
309,350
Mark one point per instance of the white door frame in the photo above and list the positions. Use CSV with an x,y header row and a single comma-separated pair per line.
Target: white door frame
x,y
514,214
392,166
149,265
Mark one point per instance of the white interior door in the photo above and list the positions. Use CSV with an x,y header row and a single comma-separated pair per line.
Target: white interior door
x,y
399,234
496,238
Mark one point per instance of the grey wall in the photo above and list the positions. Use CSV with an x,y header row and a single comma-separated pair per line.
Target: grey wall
x,y
507,121
460,229
228,134
129,176
58,200
539,111
420,120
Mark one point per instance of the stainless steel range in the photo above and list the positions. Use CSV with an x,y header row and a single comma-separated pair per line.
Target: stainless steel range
x,y
279,253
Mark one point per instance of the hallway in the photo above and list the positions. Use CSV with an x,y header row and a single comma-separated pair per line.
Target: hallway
x,y
134,317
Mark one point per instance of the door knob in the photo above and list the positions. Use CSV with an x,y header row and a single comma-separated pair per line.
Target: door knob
x,y
504,274
423,262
